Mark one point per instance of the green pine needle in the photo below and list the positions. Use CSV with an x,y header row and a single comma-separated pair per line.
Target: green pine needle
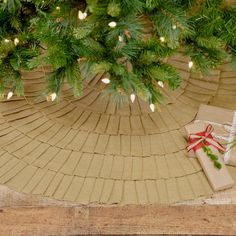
x,y
131,53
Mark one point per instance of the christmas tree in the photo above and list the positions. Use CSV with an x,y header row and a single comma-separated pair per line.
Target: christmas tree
x,y
126,41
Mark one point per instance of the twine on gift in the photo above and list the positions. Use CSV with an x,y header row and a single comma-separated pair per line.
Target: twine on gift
x,y
231,129
205,138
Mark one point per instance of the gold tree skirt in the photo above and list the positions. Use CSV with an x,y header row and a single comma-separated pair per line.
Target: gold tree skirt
x,y
93,149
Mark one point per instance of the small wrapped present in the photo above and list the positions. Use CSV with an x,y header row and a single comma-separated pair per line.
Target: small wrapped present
x,y
207,150
224,123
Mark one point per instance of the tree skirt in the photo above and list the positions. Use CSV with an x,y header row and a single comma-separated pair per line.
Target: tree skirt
x,y
95,149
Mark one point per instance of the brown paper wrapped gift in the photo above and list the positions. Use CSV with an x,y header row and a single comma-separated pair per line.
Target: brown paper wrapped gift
x,y
224,123
219,179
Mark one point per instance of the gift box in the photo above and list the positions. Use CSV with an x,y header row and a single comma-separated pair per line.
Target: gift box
x,y
199,136
224,123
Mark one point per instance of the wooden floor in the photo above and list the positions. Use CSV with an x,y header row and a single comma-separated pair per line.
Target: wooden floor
x,y
180,220
31,215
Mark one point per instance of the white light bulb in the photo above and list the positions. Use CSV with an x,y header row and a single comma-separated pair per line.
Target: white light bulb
x,y
132,97
51,97
9,95
190,64
82,15
6,40
120,38
106,81
152,107
112,24
58,8
161,84
16,41
162,39
85,15
174,27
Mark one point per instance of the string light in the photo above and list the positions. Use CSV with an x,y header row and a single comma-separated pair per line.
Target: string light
x,y
54,95
106,80
120,38
51,97
16,41
9,95
161,84
174,27
132,97
162,39
6,40
82,15
190,64
112,24
152,107
58,8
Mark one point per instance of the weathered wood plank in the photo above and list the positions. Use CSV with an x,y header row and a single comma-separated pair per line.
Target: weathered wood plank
x,y
155,219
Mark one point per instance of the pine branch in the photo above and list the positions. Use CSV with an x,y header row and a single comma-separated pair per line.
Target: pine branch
x,y
130,51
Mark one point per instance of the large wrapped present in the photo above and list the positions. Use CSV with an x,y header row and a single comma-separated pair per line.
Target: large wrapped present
x,y
224,123
207,150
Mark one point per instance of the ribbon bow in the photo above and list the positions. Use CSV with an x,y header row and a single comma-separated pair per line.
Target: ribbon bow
x,y
205,138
